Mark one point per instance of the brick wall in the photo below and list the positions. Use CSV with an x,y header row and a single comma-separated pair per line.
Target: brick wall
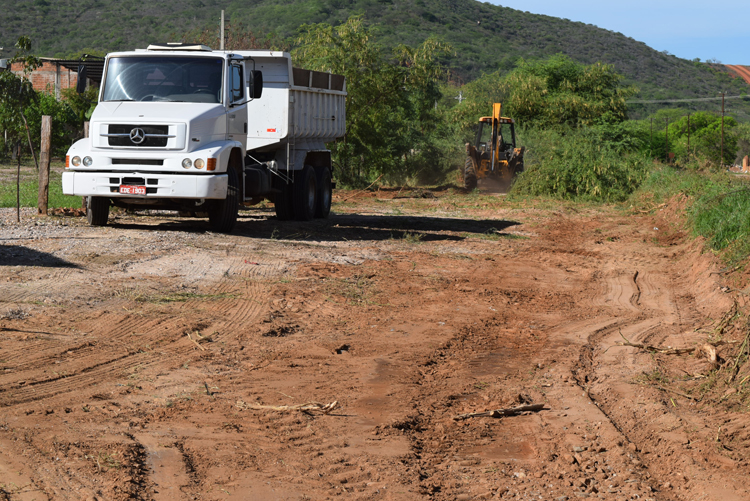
x,y
49,77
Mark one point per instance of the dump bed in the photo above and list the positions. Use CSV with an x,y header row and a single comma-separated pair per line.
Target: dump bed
x,y
297,106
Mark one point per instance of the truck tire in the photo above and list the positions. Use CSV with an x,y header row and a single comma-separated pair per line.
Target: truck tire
x,y
305,194
282,200
470,174
325,192
97,211
223,215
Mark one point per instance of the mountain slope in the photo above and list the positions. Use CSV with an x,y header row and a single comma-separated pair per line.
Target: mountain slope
x,y
485,37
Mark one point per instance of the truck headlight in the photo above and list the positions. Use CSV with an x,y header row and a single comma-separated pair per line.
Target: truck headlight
x,y
199,163
76,161
87,161
187,163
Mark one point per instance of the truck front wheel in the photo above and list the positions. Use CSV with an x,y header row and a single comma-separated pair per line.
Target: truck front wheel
x,y
305,194
223,215
97,211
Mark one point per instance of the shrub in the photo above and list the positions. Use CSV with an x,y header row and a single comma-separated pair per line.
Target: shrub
x,y
578,163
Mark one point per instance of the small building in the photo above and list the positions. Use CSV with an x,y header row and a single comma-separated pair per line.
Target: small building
x,y
55,74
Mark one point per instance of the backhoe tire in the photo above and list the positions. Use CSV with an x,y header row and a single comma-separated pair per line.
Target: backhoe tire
x,y
470,174
97,211
305,194
325,192
223,215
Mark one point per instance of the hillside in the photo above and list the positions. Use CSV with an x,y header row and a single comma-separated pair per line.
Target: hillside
x,y
485,37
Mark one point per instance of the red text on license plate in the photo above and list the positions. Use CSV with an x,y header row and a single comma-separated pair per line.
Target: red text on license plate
x,y
132,190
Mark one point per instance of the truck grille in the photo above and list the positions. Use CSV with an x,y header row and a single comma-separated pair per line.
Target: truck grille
x,y
154,136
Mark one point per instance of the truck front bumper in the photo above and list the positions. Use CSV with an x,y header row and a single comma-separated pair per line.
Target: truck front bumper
x,y
107,184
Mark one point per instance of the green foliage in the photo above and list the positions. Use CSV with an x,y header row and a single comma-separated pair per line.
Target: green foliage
x,y
550,93
66,126
16,94
81,104
579,164
669,128
392,127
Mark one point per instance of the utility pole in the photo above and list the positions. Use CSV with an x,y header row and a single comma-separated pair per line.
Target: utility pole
x,y
688,133
222,29
721,160
666,140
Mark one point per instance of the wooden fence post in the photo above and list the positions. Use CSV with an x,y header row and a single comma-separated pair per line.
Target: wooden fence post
x,y
43,199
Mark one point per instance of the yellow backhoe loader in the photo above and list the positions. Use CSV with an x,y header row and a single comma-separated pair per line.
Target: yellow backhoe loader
x,y
494,156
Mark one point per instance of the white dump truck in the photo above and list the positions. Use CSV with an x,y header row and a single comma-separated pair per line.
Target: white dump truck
x,y
183,127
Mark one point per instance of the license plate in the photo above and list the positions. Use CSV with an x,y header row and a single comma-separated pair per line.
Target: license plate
x,y
132,190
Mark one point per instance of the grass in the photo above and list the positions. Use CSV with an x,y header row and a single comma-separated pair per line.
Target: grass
x,y
175,297
29,187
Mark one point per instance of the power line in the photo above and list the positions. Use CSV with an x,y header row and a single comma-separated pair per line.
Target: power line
x,y
746,97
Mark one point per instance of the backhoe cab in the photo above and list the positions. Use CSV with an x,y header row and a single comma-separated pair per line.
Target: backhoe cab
x,y
494,155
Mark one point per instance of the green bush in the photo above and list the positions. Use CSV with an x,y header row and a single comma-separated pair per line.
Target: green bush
x,y
66,126
579,164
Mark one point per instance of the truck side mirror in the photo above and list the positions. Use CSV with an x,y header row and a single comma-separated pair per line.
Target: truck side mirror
x,y
82,75
256,84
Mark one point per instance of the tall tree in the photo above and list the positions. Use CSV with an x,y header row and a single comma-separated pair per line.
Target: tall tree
x,y
390,103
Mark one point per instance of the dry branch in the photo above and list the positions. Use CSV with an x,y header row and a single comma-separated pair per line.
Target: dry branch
x,y
362,191
512,411
648,211
708,348
196,342
308,407
676,392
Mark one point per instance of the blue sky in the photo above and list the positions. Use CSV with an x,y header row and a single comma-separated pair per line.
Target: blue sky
x,y
686,28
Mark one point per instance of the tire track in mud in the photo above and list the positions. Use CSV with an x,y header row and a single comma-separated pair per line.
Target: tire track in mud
x,y
115,342
52,286
631,303
606,373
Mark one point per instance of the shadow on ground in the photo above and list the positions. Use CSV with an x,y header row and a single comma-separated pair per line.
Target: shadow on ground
x,y
17,255
337,227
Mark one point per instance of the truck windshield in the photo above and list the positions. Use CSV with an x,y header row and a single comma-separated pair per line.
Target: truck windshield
x,y
158,78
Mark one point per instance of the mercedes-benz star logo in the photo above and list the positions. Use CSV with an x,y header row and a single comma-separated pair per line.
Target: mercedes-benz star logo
x,y
137,135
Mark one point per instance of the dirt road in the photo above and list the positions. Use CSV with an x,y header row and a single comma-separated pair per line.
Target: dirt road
x,y
151,359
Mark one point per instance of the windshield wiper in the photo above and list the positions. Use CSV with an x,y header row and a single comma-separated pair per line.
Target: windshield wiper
x,y
117,100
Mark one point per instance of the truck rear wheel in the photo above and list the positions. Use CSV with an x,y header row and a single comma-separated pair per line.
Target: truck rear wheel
x,y
282,200
325,192
305,194
97,211
470,174
223,215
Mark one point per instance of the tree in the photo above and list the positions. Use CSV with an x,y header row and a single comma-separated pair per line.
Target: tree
x,y
549,93
391,124
17,93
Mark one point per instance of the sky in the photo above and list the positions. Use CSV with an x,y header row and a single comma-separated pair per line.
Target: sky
x,y
688,29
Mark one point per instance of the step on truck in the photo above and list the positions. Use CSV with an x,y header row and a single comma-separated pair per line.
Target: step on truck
x,y
204,132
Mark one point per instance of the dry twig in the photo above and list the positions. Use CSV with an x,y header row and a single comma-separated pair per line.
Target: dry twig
x,y
196,342
512,411
648,211
362,191
308,407
708,348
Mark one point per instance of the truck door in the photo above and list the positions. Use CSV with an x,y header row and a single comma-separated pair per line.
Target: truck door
x,y
237,114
